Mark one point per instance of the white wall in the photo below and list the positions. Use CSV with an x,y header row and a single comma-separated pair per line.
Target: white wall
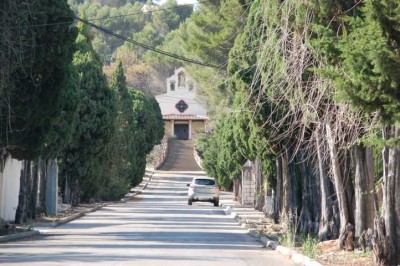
x,y
168,101
175,79
9,189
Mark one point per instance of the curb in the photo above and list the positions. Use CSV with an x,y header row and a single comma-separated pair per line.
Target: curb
x,y
69,218
130,197
7,238
75,216
293,255
145,185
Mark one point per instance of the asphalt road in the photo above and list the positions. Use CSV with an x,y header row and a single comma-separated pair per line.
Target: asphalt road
x,y
156,228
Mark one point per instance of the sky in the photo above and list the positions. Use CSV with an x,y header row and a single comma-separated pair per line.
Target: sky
x,y
181,2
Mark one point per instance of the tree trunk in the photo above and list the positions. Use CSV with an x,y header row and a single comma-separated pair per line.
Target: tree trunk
x,y
29,192
346,168
310,198
278,192
364,190
259,185
376,193
397,203
339,183
43,180
390,184
289,206
286,188
35,187
21,212
237,189
386,239
327,228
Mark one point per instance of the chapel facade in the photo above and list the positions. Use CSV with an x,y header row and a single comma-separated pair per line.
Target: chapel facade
x,y
184,115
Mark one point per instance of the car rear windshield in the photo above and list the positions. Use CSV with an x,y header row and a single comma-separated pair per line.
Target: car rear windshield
x,y
206,182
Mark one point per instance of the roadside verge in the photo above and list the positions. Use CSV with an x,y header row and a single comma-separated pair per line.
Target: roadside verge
x,y
244,215
38,226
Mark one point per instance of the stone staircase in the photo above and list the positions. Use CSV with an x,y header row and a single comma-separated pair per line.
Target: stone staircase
x,y
180,157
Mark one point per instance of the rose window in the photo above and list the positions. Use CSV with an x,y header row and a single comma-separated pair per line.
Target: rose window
x,y
181,106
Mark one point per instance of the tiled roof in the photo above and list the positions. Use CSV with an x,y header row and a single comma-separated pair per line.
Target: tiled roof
x,y
184,117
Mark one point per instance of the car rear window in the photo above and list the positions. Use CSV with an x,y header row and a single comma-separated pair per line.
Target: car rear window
x,y
206,182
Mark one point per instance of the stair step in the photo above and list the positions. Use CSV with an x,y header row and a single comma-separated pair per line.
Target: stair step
x,y
180,157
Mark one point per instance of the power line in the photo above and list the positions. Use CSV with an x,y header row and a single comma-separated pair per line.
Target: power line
x,y
152,11
145,46
105,18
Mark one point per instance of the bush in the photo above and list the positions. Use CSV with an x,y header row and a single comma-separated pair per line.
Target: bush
x,y
309,247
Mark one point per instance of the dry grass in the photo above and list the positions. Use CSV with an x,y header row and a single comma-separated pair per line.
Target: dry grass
x,y
331,255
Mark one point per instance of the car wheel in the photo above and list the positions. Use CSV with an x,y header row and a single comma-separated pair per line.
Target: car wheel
x,y
190,202
216,203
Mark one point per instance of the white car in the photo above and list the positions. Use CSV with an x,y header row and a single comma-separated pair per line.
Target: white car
x,y
203,189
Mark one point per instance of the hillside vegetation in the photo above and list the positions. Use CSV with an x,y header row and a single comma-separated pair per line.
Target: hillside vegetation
x,y
308,90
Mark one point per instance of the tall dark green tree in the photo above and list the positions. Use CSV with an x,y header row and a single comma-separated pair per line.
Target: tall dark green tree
x,y
365,66
118,183
38,89
85,162
149,132
220,155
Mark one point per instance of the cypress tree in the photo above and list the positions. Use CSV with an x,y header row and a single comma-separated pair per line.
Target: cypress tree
x,y
87,159
149,132
35,105
118,183
366,75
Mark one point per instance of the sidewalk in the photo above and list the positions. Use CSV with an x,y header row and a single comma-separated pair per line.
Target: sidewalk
x,y
75,214
254,221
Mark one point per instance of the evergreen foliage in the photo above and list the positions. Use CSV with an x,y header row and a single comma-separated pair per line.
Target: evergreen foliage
x,y
149,132
301,83
139,128
252,135
38,83
362,62
368,59
220,156
132,19
207,36
86,161
118,183
147,23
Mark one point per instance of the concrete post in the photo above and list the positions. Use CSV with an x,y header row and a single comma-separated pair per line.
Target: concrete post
x,y
52,188
248,184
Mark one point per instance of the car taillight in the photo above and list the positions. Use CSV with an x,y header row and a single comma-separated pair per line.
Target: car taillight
x,y
215,187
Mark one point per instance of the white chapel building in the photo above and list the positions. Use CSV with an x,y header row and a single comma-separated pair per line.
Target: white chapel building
x,y
184,115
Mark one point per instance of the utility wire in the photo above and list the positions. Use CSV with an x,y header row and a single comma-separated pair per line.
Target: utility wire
x,y
105,18
145,46
152,11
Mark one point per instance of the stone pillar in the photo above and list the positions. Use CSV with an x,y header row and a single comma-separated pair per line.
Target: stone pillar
x,y
248,184
52,188
269,202
172,128
190,129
